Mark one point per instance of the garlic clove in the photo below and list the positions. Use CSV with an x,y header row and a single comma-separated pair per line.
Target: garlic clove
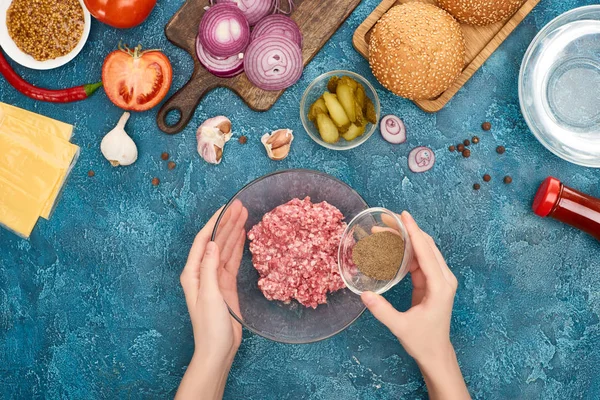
x,y
278,143
279,138
212,136
221,123
225,127
280,153
117,147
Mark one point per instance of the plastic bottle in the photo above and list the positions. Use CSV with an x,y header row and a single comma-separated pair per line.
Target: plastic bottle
x,y
554,199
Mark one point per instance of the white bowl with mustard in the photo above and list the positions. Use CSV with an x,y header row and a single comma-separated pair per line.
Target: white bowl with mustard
x,y
45,37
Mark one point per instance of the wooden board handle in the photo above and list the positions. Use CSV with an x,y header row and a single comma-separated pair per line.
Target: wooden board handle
x,y
185,102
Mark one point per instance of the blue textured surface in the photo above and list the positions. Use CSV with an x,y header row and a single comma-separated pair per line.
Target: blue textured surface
x,y
90,306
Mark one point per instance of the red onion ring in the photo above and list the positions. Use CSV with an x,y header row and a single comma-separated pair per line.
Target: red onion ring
x,y
224,30
421,159
280,25
273,62
222,67
392,129
254,10
279,9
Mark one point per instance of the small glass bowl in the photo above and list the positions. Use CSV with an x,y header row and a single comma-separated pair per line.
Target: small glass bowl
x,y
559,82
316,89
363,225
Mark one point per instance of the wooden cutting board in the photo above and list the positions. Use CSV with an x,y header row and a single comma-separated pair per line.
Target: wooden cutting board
x,y
318,20
481,42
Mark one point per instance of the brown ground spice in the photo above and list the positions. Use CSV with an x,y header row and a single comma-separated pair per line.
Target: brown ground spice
x,y
379,255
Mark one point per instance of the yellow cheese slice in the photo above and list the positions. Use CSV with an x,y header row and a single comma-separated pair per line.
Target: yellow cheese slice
x,y
40,122
19,210
26,169
56,151
49,146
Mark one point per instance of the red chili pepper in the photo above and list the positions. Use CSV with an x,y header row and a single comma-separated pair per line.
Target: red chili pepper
x,y
54,96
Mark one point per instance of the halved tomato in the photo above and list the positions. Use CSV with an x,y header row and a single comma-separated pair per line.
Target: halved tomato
x,y
136,80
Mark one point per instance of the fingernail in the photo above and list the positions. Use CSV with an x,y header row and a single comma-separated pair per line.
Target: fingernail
x,y
409,218
210,248
369,298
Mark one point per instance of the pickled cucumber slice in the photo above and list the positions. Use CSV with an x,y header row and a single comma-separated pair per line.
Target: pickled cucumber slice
x,y
370,111
360,117
332,84
327,129
360,96
353,132
317,107
349,81
346,98
336,111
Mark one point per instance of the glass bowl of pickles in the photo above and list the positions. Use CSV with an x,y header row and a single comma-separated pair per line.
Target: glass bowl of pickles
x,y
340,110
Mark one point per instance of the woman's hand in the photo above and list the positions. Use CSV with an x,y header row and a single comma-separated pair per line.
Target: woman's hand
x,y
424,330
209,281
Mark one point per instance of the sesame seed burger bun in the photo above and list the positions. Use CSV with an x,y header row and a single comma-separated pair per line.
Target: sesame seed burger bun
x,y
417,50
481,12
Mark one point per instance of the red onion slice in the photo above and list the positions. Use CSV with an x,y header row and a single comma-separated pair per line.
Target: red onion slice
x,y
392,129
224,30
279,25
279,9
222,67
273,62
254,10
421,159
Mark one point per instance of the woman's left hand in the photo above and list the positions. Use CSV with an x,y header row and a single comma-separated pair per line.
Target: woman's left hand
x,y
209,281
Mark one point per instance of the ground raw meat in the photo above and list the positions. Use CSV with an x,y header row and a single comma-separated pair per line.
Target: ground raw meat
x,y
294,249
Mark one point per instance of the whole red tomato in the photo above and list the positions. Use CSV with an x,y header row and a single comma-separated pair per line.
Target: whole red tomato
x,y
120,13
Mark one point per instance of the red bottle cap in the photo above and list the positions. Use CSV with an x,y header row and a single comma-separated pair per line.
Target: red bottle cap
x,y
546,196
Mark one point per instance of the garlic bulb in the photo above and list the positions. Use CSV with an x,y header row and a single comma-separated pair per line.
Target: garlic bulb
x,y
278,143
117,147
212,136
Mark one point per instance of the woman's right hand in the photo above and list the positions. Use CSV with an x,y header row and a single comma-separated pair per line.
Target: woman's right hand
x,y
424,330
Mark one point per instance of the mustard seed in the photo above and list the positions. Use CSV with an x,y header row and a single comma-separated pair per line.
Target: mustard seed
x,y
45,29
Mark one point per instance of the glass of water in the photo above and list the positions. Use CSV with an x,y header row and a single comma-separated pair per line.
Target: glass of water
x,y
559,86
